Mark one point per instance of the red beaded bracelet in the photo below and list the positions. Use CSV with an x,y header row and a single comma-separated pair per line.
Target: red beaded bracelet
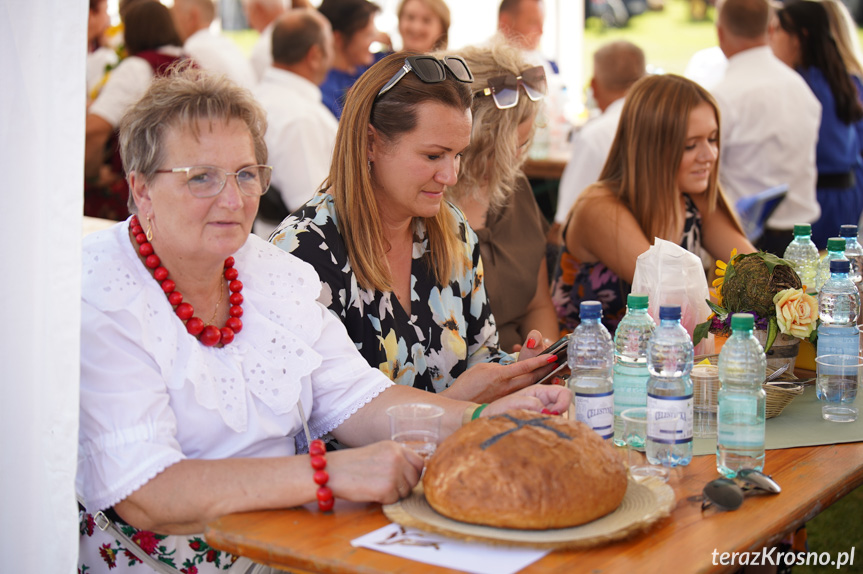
x,y
318,453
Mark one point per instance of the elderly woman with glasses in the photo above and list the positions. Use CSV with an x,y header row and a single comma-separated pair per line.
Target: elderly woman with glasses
x,y
401,267
495,196
205,353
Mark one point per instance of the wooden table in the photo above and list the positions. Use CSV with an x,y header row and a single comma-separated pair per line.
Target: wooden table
x,y
812,479
549,168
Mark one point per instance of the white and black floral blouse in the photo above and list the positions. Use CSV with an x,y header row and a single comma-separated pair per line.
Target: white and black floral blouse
x,y
451,326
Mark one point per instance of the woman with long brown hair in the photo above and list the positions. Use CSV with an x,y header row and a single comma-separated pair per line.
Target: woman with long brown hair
x,y
802,38
660,180
400,266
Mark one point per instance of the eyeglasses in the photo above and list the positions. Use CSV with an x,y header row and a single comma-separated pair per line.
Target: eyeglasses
x,y
208,181
431,70
504,89
727,494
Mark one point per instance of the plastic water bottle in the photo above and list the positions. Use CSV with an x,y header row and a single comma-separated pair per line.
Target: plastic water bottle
x,y
854,254
591,361
742,400
835,250
630,360
669,391
803,255
838,307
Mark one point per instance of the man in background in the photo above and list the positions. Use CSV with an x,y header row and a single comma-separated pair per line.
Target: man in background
x,y
521,22
262,15
769,124
616,66
301,130
211,52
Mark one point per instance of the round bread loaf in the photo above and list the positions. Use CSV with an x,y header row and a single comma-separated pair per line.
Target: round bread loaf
x,y
525,470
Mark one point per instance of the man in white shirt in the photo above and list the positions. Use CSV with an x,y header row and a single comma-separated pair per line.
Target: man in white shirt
x,y
769,125
213,53
301,130
262,15
521,22
616,66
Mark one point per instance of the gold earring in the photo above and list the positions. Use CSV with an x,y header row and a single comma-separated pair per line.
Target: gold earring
x,y
149,229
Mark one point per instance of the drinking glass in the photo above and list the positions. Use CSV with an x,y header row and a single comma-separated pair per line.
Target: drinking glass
x,y
634,435
838,377
705,387
416,426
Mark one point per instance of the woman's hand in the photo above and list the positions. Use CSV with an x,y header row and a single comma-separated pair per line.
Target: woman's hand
x,y
381,472
486,382
533,398
533,345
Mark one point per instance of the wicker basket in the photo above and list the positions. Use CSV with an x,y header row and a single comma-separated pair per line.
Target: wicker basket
x,y
780,392
779,395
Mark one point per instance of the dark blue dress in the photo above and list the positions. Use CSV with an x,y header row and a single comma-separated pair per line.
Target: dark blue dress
x,y
837,154
337,84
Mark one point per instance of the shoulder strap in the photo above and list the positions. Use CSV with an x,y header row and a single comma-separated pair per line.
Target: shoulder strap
x,y
105,524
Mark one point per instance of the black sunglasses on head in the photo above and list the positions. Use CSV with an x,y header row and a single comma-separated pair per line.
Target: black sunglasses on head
x,y
727,494
430,70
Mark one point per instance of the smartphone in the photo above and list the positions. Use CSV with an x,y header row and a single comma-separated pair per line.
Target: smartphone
x,y
558,348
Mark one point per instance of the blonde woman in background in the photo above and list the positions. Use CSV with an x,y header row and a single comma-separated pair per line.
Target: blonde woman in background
x,y
496,197
424,25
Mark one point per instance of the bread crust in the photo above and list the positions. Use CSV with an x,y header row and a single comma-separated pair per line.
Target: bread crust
x,y
525,470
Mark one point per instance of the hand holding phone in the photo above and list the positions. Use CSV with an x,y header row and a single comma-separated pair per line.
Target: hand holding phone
x,y
558,348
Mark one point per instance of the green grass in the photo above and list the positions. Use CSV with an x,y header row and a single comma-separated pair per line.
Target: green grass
x,y
668,37
837,529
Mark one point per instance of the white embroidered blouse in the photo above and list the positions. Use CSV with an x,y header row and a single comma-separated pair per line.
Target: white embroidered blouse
x,y
151,394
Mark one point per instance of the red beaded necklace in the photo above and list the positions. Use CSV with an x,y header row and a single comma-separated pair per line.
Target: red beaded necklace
x,y
209,335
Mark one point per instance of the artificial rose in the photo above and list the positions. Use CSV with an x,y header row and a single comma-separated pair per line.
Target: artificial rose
x,y
796,312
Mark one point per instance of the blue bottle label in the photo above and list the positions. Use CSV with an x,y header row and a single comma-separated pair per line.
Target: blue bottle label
x,y
669,419
596,411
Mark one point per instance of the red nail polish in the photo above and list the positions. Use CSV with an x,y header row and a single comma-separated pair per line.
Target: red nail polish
x,y
545,411
530,344
555,413
551,359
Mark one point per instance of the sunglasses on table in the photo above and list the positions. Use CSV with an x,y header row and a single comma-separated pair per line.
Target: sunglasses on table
x,y
504,89
728,494
430,70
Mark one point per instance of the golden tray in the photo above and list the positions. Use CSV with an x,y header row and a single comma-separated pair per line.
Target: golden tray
x,y
643,504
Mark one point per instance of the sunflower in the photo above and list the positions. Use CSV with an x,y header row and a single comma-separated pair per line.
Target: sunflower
x,y
721,267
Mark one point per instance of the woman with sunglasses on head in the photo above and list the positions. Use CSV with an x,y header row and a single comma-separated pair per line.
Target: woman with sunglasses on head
x,y
496,197
401,267
205,353
801,37
659,180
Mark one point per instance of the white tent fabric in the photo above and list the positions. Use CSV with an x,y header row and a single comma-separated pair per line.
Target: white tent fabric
x,y
41,149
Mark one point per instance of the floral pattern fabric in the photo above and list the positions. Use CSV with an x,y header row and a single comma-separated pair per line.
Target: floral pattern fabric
x,y
450,327
574,281
195,557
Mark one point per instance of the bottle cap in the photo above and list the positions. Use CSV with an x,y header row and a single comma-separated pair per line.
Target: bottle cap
x,y
802,229
669,312
840,266
590,310
742,322
848,231
836,244
636,301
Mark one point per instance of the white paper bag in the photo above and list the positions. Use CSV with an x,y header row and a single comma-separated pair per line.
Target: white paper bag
x,y
671,275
